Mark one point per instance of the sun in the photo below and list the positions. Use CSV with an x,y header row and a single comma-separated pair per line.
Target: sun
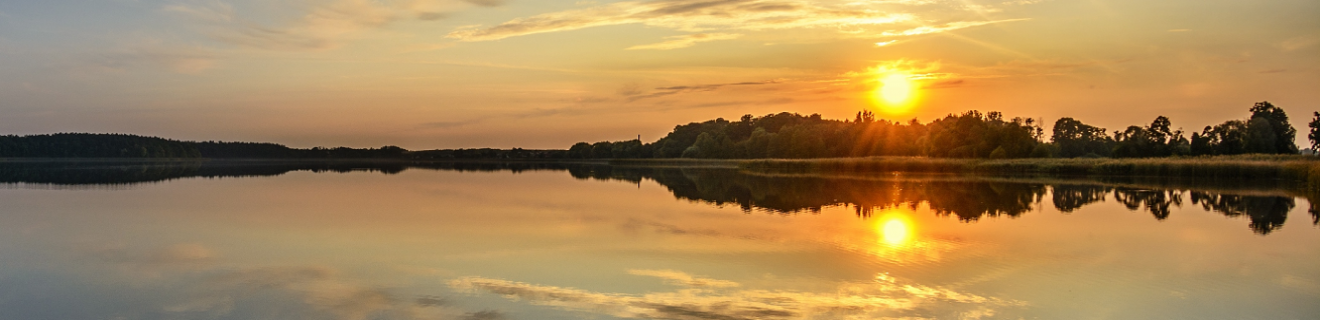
x,y
895,92
895,88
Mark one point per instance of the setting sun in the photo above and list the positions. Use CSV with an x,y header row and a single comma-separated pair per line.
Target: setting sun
x,y
895,88
894,92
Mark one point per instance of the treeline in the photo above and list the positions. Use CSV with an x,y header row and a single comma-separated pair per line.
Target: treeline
x,y
88,145
968,135
1266,131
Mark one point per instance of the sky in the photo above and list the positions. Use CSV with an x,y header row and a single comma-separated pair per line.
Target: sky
x,y
427,74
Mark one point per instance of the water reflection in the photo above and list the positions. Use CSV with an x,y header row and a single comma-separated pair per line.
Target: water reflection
x,y
886,297
439,242
895,231
1267,213
967,199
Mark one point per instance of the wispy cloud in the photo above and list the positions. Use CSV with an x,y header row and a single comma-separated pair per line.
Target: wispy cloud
x,y
685,41
486,3
684,279
319,25
689,16
943,28
211,11
666,91
452,124
883,298
179,58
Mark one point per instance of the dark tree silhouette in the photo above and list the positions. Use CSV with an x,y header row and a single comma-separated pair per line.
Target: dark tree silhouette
x,y
1155,140
1270,131
1075,139
1315,132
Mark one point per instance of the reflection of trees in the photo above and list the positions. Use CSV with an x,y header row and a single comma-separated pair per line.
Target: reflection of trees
x,y
968,200
1315,211
1155,201
1072,197
1267,213
121,173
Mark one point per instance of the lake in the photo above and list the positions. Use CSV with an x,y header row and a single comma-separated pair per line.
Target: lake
x,y
193,240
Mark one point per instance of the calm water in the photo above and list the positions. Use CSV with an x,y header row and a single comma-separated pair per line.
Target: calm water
x,y
491,241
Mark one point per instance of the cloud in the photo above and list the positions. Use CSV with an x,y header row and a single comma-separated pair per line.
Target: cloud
x,y
486,3
684,279
152,263
211,11
485,315
951,83
885,297
323,292
689,16
317,25
685,41
1298,43
179,59
453,124
944,28
322,26
666,91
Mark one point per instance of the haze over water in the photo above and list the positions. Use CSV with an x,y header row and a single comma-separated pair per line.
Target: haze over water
x,y
603,242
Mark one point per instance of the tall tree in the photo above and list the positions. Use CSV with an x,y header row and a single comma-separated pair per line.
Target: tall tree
x,y
1315,132
1272,132
1075,139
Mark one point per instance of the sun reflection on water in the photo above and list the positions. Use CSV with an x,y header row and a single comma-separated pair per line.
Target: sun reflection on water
x,y
895,232
896,238
895,229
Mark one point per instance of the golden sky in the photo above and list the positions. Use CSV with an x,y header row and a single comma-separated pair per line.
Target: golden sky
x,y
426,74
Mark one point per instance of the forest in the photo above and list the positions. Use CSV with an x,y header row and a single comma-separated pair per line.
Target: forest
x,y
89,145
968,135
971,134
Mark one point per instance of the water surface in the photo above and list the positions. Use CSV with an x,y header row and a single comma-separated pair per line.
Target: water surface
x,y
557,241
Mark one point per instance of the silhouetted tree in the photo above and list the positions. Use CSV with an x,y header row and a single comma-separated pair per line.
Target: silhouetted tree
x,y
1270,131
1315,132
580,150
1155,140
1075,139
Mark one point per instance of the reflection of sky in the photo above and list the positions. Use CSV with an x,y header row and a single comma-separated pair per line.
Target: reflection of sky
x,y
541,245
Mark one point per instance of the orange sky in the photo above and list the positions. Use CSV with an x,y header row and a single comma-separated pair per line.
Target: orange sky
x,y
426,74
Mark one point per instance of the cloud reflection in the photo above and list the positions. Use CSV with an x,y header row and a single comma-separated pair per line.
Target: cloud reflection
x,y
885,297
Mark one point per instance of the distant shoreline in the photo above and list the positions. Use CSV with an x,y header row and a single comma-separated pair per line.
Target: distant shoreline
x,y
1302,169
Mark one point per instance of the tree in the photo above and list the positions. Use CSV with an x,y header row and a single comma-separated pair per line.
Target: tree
x,y
1260,136
1229,137
1155,140
1075,139
1315,132
1271,133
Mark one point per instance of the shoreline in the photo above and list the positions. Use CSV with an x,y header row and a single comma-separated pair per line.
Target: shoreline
x,y
1294,168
